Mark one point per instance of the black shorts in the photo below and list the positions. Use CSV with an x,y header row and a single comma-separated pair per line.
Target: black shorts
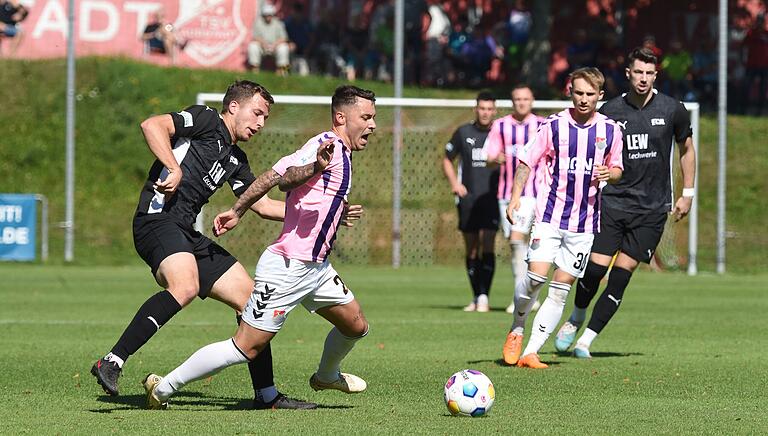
x,y
636,235
158,236
477,213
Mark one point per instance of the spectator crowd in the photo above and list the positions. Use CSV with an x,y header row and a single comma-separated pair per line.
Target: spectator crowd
x,y
484,43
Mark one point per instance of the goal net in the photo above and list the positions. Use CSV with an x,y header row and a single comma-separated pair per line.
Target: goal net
x,y
427,215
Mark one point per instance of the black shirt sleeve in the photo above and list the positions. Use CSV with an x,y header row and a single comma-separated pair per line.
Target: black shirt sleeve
x,y
453,147
195,121
242,177
681,123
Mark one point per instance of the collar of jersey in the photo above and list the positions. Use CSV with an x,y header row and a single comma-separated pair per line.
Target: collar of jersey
x,y
654,91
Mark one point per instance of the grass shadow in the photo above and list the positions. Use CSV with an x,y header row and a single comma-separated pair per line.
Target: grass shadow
x,y
599,354
196,400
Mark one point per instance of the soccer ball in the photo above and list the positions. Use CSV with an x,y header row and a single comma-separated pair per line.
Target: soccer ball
x,y
469,393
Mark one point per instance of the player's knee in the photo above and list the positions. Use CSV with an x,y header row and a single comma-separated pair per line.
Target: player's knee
x,y
559,292
536,280
357,327
184,293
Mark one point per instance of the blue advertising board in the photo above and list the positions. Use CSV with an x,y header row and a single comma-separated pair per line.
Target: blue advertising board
x,y
18,219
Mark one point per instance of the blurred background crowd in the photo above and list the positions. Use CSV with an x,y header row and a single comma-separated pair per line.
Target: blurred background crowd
x,y
498,43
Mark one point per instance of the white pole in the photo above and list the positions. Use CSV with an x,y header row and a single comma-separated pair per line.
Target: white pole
x,y
693,217
397,134
69,219
722,107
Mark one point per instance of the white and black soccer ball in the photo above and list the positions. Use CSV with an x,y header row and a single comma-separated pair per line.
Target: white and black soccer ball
x,y
469,393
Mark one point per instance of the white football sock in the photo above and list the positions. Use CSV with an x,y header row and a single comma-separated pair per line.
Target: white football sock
x,y
204,362
585,341
578,316
548,316
336,348
519,266
526,292
113,358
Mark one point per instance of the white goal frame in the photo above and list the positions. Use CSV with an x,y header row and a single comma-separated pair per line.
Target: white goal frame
x,y
693,108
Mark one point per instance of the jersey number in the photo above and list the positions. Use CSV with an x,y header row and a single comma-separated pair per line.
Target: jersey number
x,y
581,261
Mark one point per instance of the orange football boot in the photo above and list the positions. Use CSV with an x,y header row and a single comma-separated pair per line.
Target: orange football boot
x,y
531,360
512,348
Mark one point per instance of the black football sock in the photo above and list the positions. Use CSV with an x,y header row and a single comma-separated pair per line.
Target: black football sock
x,y
586,287
487,268
610,299
153,314
262,375
260,368
473,272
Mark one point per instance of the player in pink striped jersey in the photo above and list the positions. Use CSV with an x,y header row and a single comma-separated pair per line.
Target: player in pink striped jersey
x,y
507,133
295,269
581,149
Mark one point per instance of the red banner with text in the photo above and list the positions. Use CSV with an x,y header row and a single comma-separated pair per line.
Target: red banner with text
x,y
210,33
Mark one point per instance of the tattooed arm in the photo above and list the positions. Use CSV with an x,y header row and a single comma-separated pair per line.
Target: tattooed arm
x,y
297,176
521,176
226,221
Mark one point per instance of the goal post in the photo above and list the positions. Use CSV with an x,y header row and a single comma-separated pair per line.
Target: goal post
x,y
425,207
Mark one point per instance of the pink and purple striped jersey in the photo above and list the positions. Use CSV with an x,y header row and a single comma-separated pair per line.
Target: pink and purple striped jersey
x,y
506,135
569,196
313,210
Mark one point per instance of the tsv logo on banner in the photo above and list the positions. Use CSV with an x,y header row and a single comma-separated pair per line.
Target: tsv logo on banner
x,y
214,29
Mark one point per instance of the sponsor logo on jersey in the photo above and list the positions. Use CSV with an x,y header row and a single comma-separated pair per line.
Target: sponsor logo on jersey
x,y
577,164
638,141
214,29
233,160
471,141
657,121
622,124
187,118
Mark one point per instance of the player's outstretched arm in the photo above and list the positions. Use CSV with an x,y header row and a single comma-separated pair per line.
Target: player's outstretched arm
x,y
263,183
269,209
297,176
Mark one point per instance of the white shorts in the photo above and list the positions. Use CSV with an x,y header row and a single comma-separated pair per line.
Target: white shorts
x,y
569,251
523,216
282,283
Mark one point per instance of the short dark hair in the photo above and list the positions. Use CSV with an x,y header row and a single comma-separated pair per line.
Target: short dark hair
x,y
485,96
243,90
346,95
643,55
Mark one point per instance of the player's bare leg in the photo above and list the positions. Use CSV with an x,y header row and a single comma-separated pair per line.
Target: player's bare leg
x,y
350,326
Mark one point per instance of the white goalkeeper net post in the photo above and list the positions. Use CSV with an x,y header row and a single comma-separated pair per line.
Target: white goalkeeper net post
x,y
423,219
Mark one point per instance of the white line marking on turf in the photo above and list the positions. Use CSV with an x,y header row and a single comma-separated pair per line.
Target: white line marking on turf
x,y
82,322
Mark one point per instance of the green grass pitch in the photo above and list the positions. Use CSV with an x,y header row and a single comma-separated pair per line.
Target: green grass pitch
x,y
684,355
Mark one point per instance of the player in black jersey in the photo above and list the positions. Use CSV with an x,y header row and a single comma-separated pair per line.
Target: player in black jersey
x,y
475,188
197,153
635,209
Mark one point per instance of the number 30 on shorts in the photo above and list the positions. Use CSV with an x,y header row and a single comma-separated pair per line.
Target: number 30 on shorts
x,y
581,261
